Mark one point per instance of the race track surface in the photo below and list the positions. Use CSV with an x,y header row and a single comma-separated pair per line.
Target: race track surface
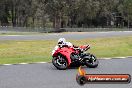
x,y
47,76
72,35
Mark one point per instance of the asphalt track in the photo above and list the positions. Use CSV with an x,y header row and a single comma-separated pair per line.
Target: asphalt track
x,y
47,76
72,35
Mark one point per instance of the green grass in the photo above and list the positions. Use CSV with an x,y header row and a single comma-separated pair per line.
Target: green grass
x,y
40,50
22,33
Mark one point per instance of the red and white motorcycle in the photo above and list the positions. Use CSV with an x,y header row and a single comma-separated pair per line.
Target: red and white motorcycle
x,y
64,57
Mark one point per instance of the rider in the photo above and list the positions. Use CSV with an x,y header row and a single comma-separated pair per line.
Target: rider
x,y
62,42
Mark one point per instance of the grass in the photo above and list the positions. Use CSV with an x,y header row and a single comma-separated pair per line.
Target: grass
x,y
31,33
21,33
40,50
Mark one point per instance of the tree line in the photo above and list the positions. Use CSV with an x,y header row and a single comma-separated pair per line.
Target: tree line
x,y
66,13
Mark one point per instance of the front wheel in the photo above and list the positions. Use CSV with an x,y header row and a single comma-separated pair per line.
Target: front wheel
x,y
60,62
91,61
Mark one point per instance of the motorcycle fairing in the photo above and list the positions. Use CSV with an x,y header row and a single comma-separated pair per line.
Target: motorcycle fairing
x,y
67,53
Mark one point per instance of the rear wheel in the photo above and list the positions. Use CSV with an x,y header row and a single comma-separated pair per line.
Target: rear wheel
x,y
60,62
91,61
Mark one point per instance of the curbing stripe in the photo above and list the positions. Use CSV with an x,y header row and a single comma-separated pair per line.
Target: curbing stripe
x,y
23,63
117,57
105,58
42,62
120,57
7,64
50,62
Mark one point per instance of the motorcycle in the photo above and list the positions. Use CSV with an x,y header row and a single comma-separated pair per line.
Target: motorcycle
x,y
65,57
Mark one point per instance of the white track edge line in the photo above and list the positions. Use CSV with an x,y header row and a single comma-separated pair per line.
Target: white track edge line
x,y
7,64
49,62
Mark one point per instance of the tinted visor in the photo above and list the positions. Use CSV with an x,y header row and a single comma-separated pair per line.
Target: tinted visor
x,y
60,42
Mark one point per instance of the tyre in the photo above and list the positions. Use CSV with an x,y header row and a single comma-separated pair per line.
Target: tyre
x,y
91,61
60,62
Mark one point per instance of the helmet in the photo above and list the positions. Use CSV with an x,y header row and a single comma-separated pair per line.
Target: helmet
x,y
61,40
